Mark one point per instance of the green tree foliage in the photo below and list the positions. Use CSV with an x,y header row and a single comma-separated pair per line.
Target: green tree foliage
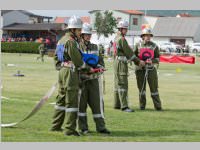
x,y
105,23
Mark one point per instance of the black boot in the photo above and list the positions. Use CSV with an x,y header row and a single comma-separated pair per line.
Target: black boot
x,y
104,131
75,133
84,131
56,130
159,109
127,109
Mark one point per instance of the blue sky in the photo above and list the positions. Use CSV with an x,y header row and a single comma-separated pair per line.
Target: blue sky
x,y
60,13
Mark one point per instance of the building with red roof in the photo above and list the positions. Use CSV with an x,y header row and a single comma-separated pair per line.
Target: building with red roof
x,y
85,19
134,17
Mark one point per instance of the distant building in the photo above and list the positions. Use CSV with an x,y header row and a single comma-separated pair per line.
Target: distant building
x,y
51,30
85,19
22,16
21,23
183,30
183,15
134,17
171,13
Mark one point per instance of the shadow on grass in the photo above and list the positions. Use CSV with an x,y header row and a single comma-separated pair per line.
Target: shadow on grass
x,y
151,133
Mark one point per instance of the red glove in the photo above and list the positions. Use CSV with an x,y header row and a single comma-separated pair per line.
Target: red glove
x,y
97,70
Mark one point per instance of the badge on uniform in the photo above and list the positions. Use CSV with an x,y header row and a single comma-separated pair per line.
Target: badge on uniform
x,y
146,53
60,52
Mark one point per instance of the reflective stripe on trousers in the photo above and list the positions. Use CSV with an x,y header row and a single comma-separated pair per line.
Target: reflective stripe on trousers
x,y
101,96
120,90
82,114
154,94
66,109
97,116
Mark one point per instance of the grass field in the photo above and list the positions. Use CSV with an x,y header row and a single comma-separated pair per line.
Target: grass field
x,y
179,91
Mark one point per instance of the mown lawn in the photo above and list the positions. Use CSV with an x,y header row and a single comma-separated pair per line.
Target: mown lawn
x,y
179,91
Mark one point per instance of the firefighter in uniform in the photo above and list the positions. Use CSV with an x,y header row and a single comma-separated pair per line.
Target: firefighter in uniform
x,y
69,62
91,93
148,52
42,49
122,55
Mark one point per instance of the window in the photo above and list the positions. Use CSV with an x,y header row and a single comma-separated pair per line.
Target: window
x,y
135,21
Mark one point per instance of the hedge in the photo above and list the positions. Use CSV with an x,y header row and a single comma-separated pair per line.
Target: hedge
x,y
20,47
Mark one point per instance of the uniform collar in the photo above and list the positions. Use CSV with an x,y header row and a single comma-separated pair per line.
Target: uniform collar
x,y
120,34
146,43
86,42
74,37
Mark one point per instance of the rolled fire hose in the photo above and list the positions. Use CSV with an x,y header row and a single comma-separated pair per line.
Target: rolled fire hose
x,y
37,107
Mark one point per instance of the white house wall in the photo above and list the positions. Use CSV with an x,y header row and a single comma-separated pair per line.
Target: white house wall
x,y
136,27
124,16
14,17
197,35
189,41
132,40
102,40
159,40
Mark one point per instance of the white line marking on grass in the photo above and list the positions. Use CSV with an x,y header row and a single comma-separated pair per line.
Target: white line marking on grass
x,y
4,97
168,74
11,65
52,103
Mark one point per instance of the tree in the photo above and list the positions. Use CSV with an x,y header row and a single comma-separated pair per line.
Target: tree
x,y
105,23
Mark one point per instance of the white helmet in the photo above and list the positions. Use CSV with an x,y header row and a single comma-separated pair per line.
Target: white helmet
x,y
74,22
86,29
146,31
123,24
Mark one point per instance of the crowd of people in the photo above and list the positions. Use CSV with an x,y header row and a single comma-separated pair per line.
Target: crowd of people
x,y
18,39
50,42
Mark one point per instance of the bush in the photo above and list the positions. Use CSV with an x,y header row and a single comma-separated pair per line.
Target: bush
x,y
20,47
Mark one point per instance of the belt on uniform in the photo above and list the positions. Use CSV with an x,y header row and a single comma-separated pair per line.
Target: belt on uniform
x,y
90,76
68,64
122,58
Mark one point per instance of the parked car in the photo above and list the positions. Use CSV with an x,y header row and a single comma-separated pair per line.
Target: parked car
x,y
170,47
195,48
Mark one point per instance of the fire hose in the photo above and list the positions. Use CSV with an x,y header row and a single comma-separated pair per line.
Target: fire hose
x,y
37,107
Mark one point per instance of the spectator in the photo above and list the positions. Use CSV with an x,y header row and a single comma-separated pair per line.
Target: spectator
x,y
48,43
9,39
24,39
3,40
